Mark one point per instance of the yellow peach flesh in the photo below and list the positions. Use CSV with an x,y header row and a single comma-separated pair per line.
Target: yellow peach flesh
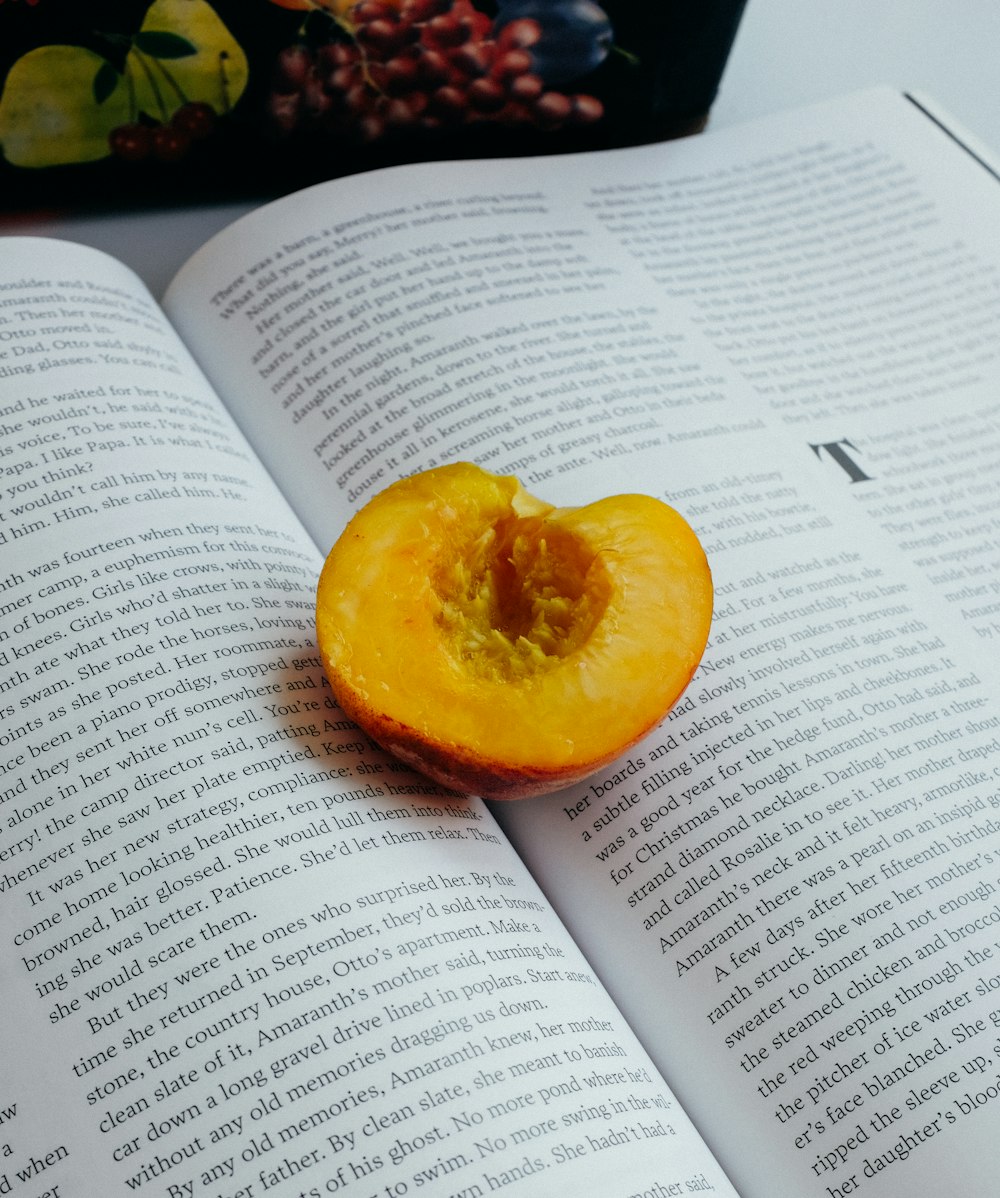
x,y
505,646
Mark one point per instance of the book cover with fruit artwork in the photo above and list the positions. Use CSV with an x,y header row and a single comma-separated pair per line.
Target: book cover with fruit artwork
x,y
127,101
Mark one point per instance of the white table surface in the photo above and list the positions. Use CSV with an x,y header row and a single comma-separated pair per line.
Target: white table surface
x,y
787,52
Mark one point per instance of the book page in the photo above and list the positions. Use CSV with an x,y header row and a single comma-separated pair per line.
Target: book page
x,y
789,331
791,885
244,951
804,855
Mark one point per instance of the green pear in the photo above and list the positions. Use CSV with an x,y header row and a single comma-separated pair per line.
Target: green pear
x,y
48,113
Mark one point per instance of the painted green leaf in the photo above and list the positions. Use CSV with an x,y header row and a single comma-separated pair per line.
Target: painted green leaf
x,y
164,45
105,82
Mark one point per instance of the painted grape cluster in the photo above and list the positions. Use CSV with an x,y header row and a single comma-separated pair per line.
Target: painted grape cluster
x,y
439,64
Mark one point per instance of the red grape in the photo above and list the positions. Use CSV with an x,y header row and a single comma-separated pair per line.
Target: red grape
x,y
423,63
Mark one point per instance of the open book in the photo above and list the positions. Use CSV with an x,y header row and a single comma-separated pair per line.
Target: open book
x,y
246,953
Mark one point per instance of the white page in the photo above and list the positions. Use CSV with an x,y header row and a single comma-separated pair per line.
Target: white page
x,y
820,808
888,232
244,950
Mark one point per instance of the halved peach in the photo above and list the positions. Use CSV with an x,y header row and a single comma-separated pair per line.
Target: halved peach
x,y
504,646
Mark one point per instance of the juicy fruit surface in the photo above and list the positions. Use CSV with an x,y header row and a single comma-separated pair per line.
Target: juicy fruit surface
x,y
505,646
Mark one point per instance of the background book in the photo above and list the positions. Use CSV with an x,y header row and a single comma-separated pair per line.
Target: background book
x,y
125,102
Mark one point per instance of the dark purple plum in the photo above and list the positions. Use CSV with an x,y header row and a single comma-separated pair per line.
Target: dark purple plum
x,y
576,35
